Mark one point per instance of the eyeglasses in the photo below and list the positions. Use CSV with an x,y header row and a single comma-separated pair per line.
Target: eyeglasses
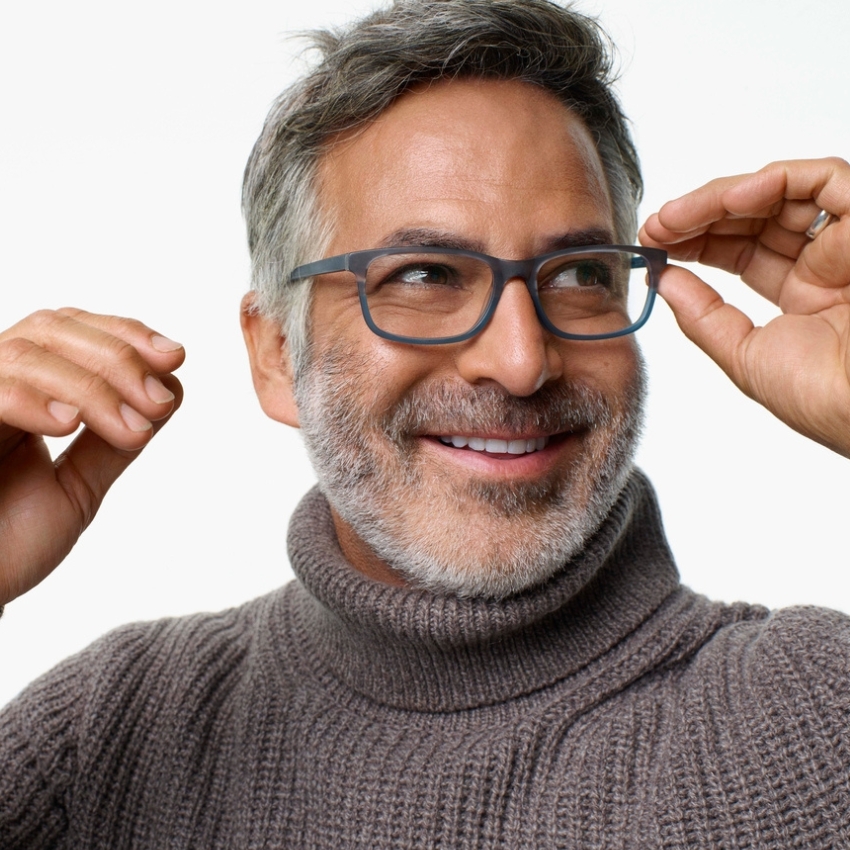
x,y
432,296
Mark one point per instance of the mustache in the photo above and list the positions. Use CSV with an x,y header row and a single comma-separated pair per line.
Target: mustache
x,y
447,408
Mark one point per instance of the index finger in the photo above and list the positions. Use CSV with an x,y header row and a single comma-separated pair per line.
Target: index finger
x,y
162,353
760,195
753,225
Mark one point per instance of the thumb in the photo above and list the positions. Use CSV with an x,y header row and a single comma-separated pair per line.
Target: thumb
x,y
90,465
722,331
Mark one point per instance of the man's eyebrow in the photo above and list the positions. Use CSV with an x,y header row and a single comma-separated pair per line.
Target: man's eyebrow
x,y
579,238
424,237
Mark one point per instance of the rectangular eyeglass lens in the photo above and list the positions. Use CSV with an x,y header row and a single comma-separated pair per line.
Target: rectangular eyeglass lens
x,y
594,293
427,296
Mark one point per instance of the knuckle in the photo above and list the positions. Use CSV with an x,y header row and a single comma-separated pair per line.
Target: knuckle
x,y
37,326
123,356
774,173
838,162
93,385
78,490
13,350
71,312
14,392
109,323
132,327
45,320
121,350
130,330
11,395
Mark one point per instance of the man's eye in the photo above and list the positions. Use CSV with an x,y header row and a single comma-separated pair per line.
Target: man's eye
x,y
423,275
578,275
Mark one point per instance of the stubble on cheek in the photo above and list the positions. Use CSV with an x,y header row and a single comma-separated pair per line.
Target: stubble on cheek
x,y
337,395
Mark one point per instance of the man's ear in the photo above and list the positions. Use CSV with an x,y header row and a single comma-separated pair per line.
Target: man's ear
x,y
271,367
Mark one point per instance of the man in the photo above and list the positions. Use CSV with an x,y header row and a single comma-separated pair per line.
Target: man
x,y
488,645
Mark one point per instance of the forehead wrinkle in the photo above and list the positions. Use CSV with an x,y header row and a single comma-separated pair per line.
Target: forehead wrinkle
x,y
578,176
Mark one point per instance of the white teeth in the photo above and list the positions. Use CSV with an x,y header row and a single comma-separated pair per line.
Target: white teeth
x,y
493,446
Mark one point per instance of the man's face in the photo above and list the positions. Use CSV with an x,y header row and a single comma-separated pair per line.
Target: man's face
x,y
505,169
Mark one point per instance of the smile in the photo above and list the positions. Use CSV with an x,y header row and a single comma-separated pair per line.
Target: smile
x,y
497,446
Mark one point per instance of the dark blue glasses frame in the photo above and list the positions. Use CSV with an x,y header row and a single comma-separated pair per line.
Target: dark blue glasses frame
x,y
357,262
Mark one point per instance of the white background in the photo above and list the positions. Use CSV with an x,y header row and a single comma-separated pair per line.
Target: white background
x,y
125,128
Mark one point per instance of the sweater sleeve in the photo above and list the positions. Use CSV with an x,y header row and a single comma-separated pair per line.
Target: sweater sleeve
x,y
38,755
759,753
44,734
793,720
114,738
800,664
809,649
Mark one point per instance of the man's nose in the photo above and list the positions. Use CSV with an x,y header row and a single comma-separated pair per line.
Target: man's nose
x,y
514,350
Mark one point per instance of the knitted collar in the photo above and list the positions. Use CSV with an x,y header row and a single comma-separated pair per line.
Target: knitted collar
x,y
426,651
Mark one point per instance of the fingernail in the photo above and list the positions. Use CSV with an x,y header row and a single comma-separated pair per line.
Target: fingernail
x,y
133,419
164,344
157,391
65,413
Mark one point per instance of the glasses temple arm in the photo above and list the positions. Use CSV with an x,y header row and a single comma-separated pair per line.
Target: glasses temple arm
x,y
326,266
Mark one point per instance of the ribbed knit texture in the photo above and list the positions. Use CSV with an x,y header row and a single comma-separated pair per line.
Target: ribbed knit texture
x,y
608,708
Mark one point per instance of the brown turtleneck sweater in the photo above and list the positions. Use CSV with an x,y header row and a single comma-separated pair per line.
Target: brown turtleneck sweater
x,y
609,707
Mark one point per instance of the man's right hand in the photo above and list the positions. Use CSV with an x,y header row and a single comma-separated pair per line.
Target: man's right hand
x,y
59,370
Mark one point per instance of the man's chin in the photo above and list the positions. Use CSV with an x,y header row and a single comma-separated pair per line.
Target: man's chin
x,y
493,538
484,539
490,564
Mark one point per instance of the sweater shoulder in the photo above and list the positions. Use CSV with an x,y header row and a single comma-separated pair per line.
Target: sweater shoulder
x,y
172,652
801,660
757,741
806,646
810,639
142,686
779,684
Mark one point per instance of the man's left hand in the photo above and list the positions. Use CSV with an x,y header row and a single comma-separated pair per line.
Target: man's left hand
x,y
753,225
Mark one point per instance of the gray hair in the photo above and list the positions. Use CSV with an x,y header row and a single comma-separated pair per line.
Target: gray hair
x,y
364,68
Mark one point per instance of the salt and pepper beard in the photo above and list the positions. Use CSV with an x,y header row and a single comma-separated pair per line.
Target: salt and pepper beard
x,y
540,525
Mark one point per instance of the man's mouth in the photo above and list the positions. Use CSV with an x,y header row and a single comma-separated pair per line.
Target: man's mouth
x,y
495,445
